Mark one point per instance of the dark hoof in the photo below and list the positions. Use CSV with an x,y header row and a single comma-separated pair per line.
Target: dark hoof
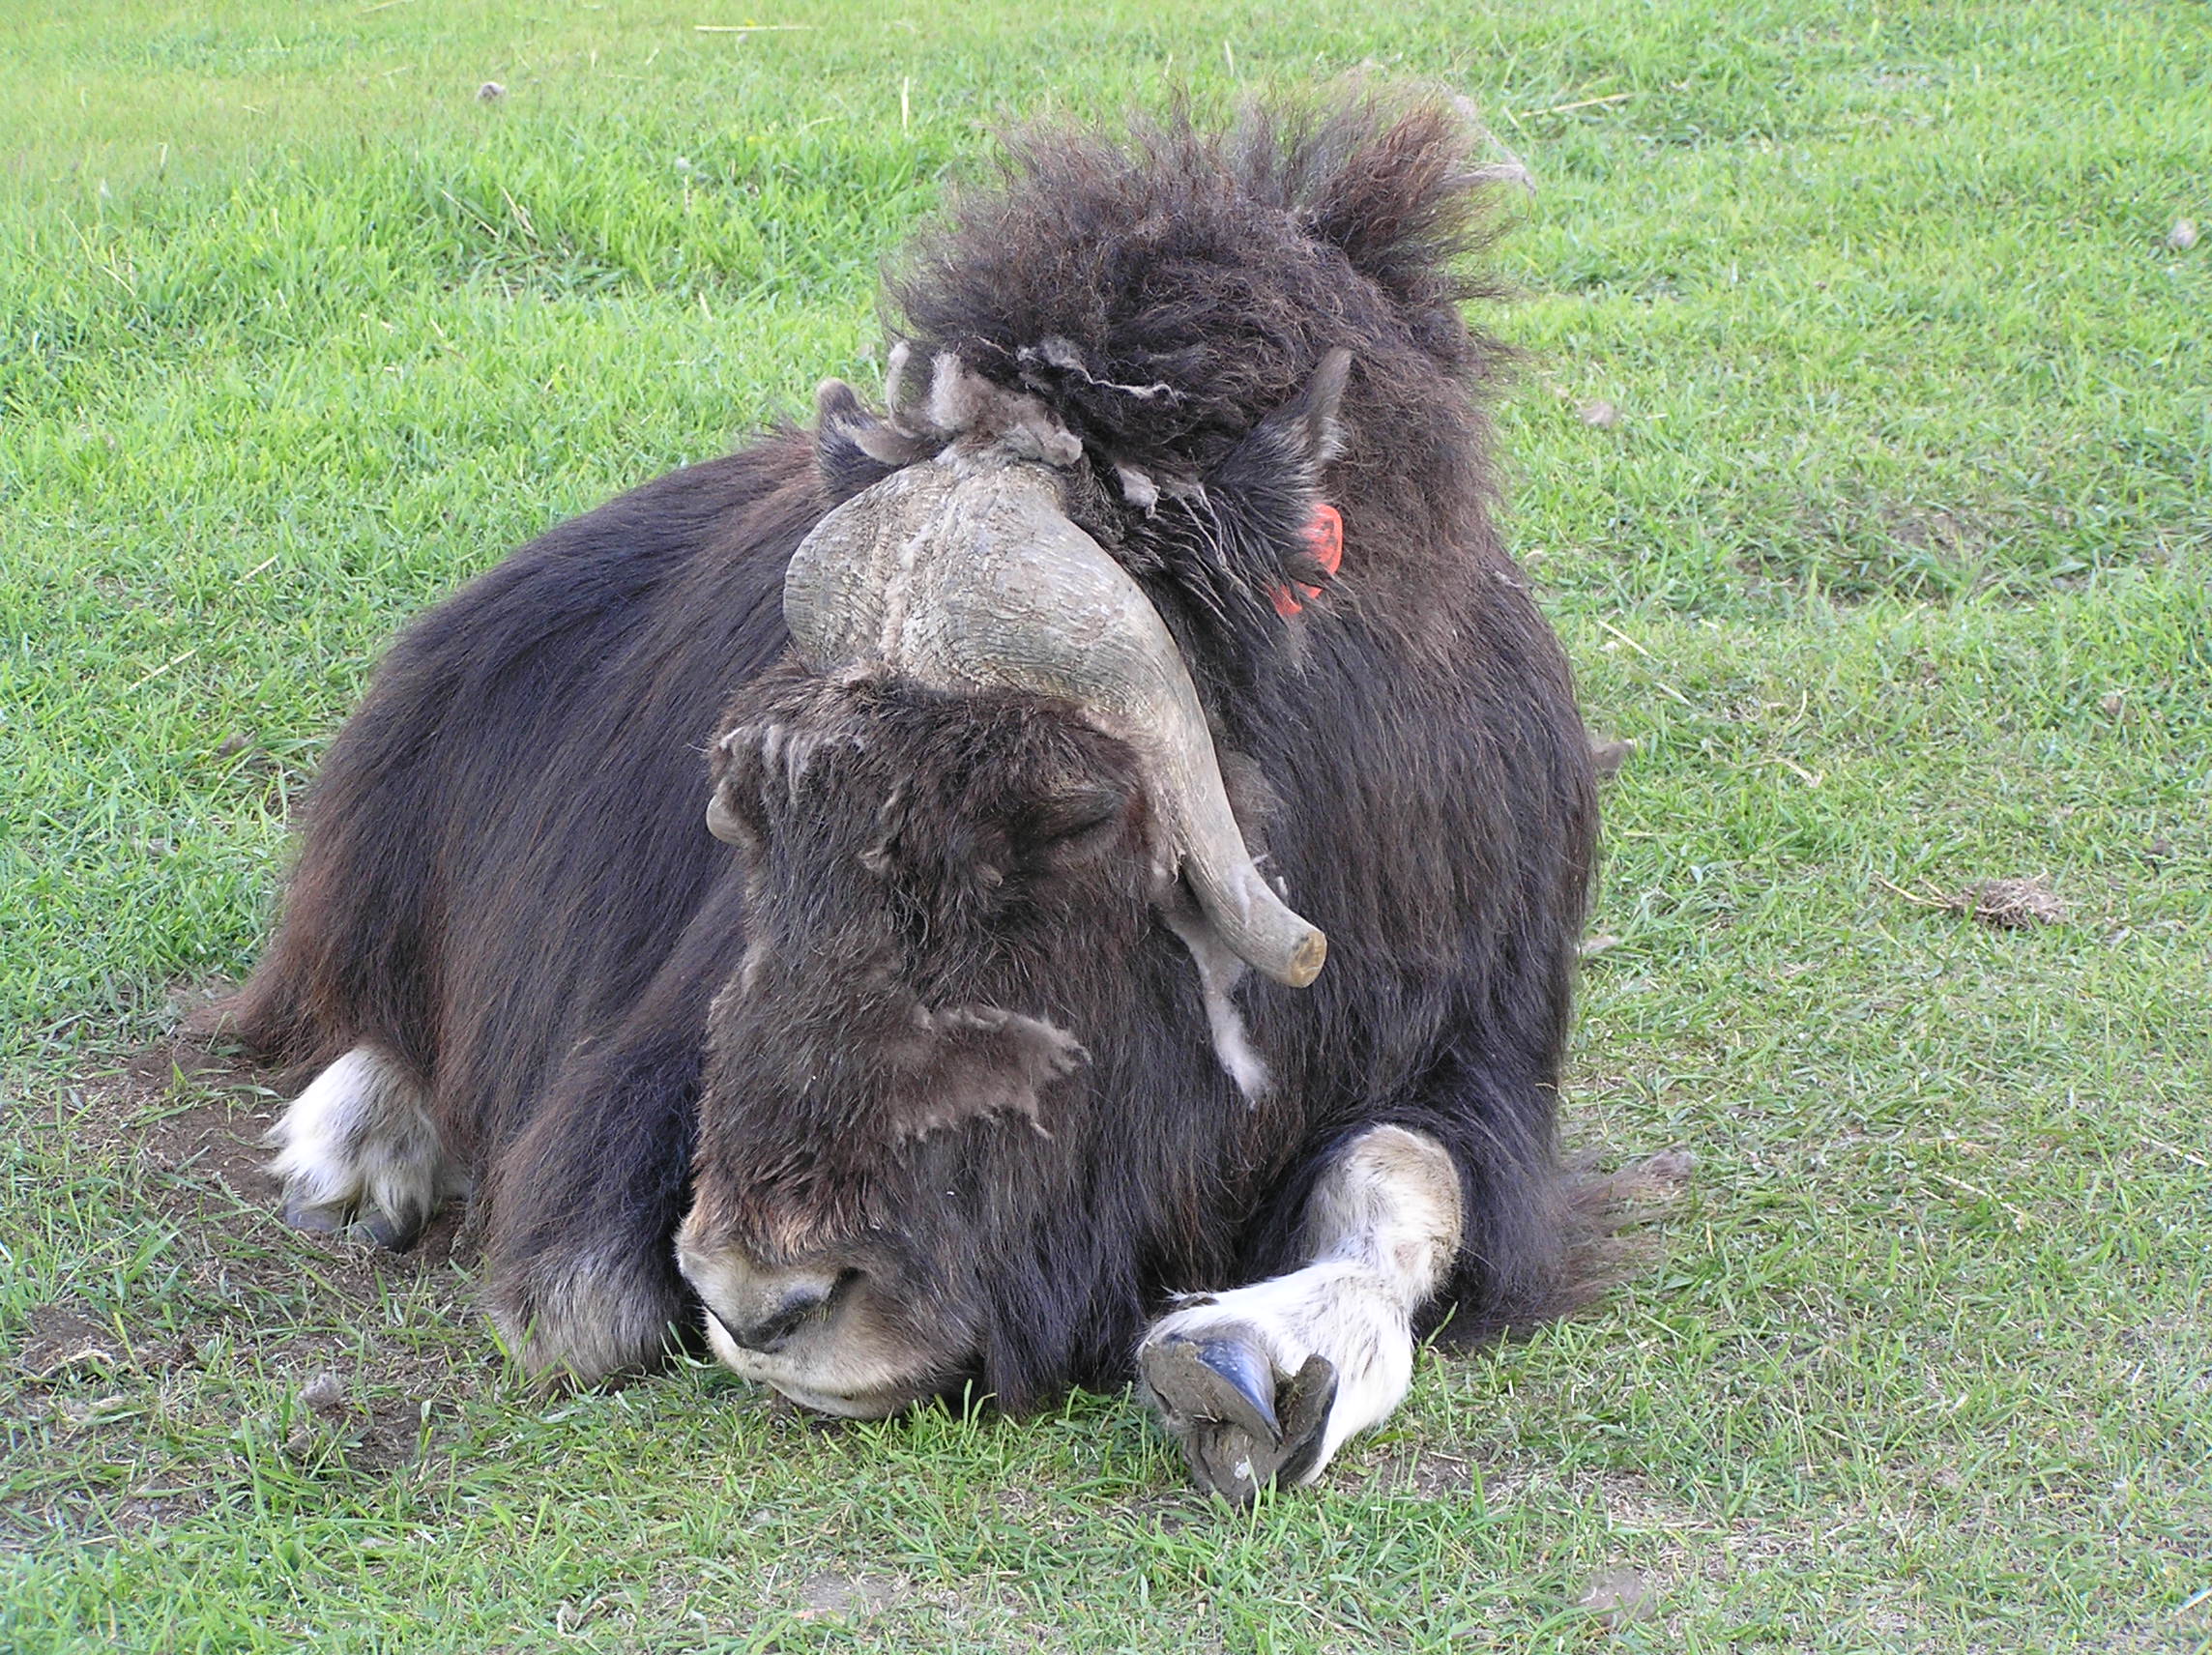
x,y
1240,1426
317,1220
1306,1403
1227,1380
393,1234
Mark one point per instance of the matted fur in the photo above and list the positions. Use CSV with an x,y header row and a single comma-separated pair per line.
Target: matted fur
x,y
505,890
1163,291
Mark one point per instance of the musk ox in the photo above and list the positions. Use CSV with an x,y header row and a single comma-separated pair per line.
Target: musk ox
x,y
863,901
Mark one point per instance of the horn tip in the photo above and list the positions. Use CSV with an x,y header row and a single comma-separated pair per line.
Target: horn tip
x,y
723,822
1305,962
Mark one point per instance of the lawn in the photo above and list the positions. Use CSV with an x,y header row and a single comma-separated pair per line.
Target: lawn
x,y
1863,458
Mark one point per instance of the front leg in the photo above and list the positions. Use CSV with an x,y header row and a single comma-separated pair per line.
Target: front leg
x,y
579,1246
1263,1383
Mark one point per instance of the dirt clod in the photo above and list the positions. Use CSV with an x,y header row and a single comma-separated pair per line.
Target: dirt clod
x,y
1618,1594
829,1593
1607,753
2010,903
325,1415
1668,1167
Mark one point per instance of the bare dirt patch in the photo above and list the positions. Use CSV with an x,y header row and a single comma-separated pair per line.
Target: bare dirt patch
x,y
2006,904
61,1347
134,1397
194,1119
835,1595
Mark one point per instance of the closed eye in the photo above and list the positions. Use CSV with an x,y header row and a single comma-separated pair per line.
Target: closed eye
x,y
1082,822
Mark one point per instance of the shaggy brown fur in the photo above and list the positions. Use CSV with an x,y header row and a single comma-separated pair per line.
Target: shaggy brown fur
x,y
504,885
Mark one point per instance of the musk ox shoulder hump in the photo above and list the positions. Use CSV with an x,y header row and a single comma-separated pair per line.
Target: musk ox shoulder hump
x,y
1164,289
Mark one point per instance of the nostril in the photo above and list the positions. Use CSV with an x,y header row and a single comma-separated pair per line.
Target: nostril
x,y
773,1330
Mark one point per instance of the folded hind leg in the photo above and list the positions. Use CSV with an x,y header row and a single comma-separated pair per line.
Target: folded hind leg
x,y
359,1147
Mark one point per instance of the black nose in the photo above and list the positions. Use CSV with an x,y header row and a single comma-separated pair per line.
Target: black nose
x,y
773,1329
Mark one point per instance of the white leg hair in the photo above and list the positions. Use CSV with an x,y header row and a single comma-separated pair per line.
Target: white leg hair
x,y
359,1143
1379,1233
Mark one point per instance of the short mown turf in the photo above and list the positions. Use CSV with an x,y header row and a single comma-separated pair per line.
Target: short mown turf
x,y
1863,455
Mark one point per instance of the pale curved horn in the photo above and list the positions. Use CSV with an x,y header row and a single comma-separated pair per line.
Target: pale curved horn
x,y
723,823
966,575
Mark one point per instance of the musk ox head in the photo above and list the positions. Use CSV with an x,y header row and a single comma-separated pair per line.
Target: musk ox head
x,y
980,804
963,1114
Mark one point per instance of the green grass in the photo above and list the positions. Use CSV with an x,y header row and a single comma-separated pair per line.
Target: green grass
x,y
1894,562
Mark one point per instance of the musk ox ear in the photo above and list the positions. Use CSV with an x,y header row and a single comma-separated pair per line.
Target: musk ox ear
x,y
765,759
1270,483
734,812
852,449
1287,449
1304,433
748,760
976,1063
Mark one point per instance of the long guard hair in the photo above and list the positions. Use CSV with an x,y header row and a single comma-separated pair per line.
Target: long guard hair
x,y
504,886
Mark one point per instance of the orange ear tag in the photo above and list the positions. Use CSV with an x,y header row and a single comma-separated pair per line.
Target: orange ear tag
x,y
1325,539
